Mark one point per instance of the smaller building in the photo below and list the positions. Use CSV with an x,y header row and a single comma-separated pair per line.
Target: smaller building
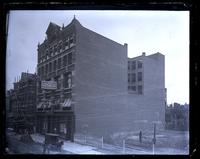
x,y
146,81
21,103
177,117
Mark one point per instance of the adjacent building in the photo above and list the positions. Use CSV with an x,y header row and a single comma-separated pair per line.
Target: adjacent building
x,y
146,74
177,117
146,80
21,102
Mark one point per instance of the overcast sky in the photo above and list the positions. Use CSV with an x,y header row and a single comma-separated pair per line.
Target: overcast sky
x,y
166,32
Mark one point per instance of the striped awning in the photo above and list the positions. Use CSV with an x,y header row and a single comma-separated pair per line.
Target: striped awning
x,y
40,105
67,103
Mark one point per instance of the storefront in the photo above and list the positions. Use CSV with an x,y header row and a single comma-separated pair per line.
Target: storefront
x,y
61,123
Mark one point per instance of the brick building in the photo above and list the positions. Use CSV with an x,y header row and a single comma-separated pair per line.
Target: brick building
x,y
146,78
89,72
21,102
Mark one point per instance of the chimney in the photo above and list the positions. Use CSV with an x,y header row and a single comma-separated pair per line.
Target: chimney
x,y
143,53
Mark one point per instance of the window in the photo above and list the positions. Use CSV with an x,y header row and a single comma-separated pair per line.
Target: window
x,y
50,52
50,67
65,44
139,64
67,80
47,53
59,63
69,58
140,89
65,60
55,49
129,77
39,72
42,71
129,87
139,76
58,80
59,46
71,41
54,65
133,65
129,65
133,88
133,77
46,70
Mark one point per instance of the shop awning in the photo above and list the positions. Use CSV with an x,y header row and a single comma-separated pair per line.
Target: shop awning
x,y
67,103
40,105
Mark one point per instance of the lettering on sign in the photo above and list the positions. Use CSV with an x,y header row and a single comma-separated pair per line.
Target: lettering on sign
x,y
49,85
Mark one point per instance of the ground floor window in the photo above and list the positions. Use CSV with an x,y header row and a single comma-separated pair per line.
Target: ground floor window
x,y
45,125
63,128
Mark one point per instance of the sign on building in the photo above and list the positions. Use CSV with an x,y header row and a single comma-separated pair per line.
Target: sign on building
x,y
49,85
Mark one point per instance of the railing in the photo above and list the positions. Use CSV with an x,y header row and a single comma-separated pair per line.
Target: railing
x,y
115,146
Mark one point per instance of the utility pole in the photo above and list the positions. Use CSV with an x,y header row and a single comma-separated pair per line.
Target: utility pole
x,y
154,138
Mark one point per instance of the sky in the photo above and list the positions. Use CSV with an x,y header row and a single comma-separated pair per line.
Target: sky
x,y
166,32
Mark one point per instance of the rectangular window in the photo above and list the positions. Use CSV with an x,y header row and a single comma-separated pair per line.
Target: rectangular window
x,y
139,76
59,47
50,67
69,58
39,72
67,82
65,61
54,66
133,88
55,49
133,65
42,71
140,89
66,45
50,52
59,63
129,77
71,42
133,77
57,79
47,52
139,64
129,65
46,70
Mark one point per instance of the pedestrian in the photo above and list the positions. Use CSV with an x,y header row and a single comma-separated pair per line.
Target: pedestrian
x,y
44,148
140,136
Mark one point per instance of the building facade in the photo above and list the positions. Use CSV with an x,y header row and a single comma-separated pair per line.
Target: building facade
x,y
146,78
146,73
76,58
82,84
21,102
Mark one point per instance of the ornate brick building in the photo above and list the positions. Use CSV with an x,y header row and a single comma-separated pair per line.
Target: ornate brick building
x,y
82,83
22,102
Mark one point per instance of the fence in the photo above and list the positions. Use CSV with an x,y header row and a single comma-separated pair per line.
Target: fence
x,y
121,146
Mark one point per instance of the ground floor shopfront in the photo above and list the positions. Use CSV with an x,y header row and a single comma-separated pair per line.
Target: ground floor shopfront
x,y
62,123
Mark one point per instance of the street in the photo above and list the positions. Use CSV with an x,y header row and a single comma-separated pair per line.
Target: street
x,y
93,146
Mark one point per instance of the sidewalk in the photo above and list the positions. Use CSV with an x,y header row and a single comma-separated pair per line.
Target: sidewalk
x,y
72,147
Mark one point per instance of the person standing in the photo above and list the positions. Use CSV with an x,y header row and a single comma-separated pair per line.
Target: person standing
x,y
140,136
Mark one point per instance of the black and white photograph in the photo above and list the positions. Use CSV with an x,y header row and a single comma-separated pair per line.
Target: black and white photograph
x,y
97,82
